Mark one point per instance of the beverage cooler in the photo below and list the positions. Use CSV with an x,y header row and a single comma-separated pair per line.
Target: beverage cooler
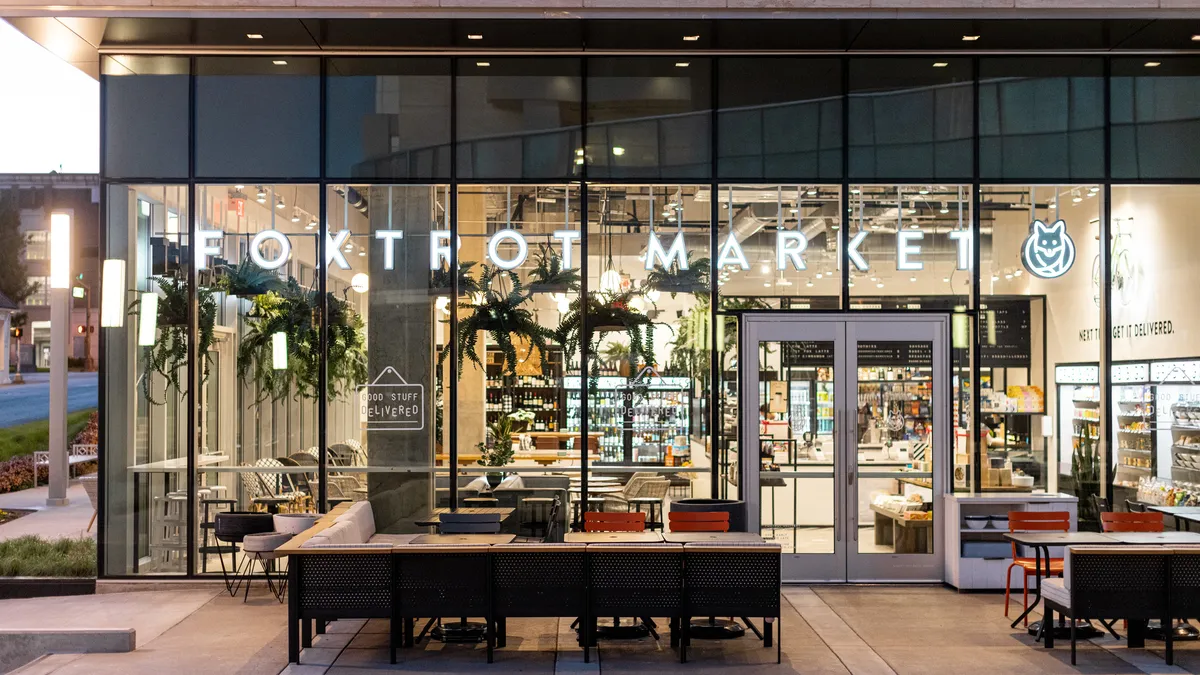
x,y
1078,389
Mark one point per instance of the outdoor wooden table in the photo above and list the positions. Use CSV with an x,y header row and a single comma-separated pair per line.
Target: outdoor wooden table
x,y
489,539
1182,514
1042,541
613,538
1155,538
719,537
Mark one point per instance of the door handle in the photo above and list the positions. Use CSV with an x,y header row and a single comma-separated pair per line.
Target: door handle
x,y
850,478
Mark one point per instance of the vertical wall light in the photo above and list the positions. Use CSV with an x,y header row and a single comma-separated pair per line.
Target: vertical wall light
x,y
148,319
279,350
112,294
60,250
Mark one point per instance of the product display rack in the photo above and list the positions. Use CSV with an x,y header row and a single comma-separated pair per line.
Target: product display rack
x,y
1133,422
1177,408
636,428
540,394
903,391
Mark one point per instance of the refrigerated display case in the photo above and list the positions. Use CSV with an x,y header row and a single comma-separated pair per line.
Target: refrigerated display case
x,y
1132,414
1079,424
1177,420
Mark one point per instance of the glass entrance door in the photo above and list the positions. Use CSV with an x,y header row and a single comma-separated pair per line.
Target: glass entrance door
x,y
850,421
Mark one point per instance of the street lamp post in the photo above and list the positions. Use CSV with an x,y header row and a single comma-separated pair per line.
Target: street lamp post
x,y
60,322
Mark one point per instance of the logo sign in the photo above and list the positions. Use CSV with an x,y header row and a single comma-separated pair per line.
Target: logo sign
x,y
1048,251
392,405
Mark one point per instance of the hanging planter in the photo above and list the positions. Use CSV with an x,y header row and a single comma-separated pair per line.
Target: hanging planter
x,y
440,280
499,314
548,275
293,311
675,280
246,280
168,356
615,315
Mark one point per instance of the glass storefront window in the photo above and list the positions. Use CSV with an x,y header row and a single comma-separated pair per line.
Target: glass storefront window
x,y
518,118
651,348
777,247
910,118
649,118
910,247
1155,118
385,419
1041,118
779,117
1039,339
144,141
257,117
387,118
517,392
146,383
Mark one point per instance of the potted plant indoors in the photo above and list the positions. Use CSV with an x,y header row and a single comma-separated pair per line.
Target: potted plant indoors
x,y
501,315
676,279
168,356
246,280
498,448
606,313
440,280
548,275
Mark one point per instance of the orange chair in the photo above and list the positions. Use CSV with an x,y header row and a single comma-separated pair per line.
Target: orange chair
x,y
1132,522
698,521
603,521
1033,521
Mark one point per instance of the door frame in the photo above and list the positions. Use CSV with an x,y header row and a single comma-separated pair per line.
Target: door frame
x,y
847,328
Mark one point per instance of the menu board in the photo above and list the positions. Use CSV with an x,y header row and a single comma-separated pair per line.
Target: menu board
x,y
807,353
904,354
1004,334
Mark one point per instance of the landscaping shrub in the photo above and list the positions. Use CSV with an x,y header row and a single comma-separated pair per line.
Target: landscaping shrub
x,y
25,439
32,556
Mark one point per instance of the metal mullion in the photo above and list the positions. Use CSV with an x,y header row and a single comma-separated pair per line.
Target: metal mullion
x,y
323,287
584,352
716,353
450,386
976,276
101,361
195,358
843,216
1106,478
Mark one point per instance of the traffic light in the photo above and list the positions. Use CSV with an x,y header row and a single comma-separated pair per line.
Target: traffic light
x,y
80,329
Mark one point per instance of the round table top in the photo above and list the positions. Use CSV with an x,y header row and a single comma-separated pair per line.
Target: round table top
x,y
599,489
597,480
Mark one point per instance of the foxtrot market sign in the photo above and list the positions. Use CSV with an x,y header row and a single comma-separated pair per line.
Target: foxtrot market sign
x,y
789,249
1048,251
390,403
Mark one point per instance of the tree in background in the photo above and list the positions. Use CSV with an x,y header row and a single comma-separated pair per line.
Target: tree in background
x,y
14,277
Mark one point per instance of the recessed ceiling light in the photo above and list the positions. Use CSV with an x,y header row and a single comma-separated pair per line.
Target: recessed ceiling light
x,y
970,38
482,64
279,62
682,64
940,64
254,36
1153,64
691,38
474,36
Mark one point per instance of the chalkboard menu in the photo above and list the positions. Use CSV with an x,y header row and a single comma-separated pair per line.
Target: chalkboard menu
x,y
908,354
807,353
1004,334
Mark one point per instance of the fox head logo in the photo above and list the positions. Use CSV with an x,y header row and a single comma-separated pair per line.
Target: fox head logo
x,y
1048,251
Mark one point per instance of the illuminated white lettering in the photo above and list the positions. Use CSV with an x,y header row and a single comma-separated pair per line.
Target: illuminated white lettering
x,y
905,248
285,249
205,249
333,249
732,254
566,237
494,249
852,250
438,251
389,237
963,239
790,246
654,250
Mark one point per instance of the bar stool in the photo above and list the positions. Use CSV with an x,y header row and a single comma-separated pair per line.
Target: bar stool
x,y
168,539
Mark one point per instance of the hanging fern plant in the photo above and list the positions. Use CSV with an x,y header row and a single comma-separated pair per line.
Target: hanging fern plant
x,y
499,314
613,315
675,279
293,311
440,280
168,356
246,280
548,275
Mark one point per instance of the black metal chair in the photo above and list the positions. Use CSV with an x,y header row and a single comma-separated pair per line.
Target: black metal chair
x,y
436,581
1134,507
634,580
537,580
329,586
1111,582
732,580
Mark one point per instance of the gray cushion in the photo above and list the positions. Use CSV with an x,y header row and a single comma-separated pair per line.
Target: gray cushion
x,y
1056,591
265,542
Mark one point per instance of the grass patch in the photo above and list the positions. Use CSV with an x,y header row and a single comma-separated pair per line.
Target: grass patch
x,y
32,556
25,439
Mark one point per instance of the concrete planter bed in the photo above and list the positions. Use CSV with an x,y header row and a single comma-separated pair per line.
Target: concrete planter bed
x,y
38,587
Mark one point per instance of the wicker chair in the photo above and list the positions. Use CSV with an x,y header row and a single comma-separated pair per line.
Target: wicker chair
x,y
638,487
90,486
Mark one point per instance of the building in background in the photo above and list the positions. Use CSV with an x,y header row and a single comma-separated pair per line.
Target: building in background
x,y
38,195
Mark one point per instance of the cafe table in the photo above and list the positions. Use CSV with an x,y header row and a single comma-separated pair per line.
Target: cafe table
x,y
1041,542
449,539
1182,514
613,538
713,537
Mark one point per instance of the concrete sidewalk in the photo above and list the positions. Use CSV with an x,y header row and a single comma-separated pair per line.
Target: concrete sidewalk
x,y
49,522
